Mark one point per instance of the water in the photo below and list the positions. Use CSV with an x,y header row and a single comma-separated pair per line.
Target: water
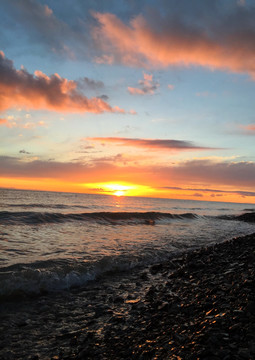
x,y
53,241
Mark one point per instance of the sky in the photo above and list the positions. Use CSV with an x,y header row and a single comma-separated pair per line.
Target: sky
x,y
145,98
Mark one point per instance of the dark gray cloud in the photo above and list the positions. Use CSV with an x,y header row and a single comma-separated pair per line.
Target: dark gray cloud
x,y
216,192
23,151
86,83
238,174
103,97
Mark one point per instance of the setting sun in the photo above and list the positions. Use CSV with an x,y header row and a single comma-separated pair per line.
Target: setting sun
x,y
119,193
119,189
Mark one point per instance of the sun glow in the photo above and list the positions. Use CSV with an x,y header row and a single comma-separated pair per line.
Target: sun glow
x,y
119,193
119,189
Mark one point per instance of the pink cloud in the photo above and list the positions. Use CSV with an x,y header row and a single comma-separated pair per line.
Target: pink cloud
x,y
164,41
147,86
154,144
39,91
170,86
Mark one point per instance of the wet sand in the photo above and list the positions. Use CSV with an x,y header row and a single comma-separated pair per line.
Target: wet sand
x,y
200,305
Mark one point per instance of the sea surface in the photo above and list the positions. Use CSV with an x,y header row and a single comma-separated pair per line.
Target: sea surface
x,y
52,241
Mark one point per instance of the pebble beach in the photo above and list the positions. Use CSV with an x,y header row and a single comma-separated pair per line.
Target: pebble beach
x,y
199,305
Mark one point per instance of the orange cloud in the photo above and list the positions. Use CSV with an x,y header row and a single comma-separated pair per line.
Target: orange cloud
x,y
4,122
164,41
39,91
154,144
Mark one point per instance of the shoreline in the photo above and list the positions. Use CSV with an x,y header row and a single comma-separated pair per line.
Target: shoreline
x,y
199,305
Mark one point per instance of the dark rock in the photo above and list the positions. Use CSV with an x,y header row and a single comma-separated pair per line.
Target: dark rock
x,y
144,276
118,300
34,357
154,269
73,341
244,353
250,308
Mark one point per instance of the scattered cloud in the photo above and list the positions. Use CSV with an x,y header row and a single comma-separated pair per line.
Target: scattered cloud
x,y
103,97
215,192
147,86
198,195
153,144
23,151
19,88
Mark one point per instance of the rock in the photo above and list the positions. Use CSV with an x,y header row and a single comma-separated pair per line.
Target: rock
x,y
118,300
250,308
144,276
73,341
34,357
154,269
244,353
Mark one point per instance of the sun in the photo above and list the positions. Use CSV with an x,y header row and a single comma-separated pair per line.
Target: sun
x,y
119,193
119,189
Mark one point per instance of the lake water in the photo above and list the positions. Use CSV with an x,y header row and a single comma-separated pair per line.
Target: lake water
x,y
52,241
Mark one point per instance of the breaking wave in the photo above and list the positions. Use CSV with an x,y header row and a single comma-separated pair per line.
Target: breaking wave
x,y
113,218
51,276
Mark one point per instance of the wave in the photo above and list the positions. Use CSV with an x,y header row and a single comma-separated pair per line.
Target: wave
x,y
52,276
247,217
113,218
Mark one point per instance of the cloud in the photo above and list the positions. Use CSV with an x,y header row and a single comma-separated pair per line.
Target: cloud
x,y
153,144
40,25
196,175
170,86
19,88
248,129
208,172
103,97
51,169
226,41
23,151
4,122
215,192
147,86
86,83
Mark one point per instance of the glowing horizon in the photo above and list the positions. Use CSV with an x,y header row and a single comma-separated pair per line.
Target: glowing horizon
x,y
131,103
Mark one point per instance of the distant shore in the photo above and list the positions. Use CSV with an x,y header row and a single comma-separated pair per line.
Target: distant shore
x,y
200,305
